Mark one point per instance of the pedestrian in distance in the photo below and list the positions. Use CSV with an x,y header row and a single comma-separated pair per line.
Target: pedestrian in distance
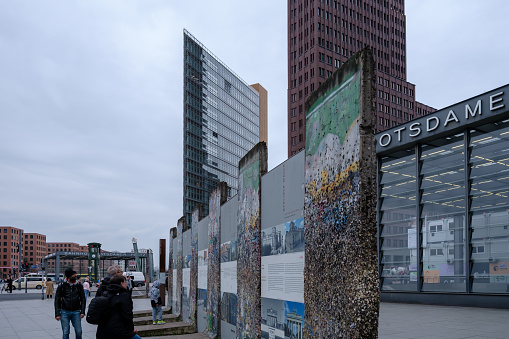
x,y
86,288
112,270
70,304
49,289
119,324
156,303
129,285
9,284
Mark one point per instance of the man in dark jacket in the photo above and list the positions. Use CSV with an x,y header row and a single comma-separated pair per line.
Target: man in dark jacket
x,y
70,304
120,323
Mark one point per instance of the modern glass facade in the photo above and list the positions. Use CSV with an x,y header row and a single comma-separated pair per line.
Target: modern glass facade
x,y
443,200
221,124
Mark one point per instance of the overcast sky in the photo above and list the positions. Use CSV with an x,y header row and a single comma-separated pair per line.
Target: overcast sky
x,y
91,99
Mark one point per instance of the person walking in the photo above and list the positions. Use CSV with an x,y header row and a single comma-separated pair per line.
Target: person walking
x,y
86,288
70,304
129,285
155,301
120,324
49,289
9,284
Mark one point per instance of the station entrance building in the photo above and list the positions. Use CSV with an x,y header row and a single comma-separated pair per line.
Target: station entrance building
x,y
443,205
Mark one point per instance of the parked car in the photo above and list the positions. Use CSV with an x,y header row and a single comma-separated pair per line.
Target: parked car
x,y
32,282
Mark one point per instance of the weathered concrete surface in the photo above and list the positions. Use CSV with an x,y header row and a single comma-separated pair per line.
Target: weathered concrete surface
x,y
251,167
341,292
217,198
193,288
173,234
181,228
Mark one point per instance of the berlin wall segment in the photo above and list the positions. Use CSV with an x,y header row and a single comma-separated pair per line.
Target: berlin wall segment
x,y
217,198
251,167
186,274
171,266
181,227
341,286
197,215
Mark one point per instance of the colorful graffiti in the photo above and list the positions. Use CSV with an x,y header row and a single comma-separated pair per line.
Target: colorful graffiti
x,y
179,249
213,274
193,290
339,241
252,166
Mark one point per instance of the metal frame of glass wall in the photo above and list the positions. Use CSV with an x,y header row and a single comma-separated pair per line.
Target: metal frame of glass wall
x,y
443,214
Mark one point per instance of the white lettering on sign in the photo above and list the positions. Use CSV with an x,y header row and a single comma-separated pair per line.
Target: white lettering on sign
x,y
428,124
451,117
387,137
416,129
469,110
494,101
398,131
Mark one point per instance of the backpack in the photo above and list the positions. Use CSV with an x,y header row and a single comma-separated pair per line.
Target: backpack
x,y
99,309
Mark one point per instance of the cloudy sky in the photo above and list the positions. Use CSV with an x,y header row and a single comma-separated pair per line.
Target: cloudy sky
x,y
91,99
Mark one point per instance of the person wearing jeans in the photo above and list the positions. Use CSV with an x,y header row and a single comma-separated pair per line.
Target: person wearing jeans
x,y
70,304
67,317
155,301
86,288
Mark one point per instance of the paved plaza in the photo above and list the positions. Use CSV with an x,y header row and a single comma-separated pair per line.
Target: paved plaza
x,y
33,319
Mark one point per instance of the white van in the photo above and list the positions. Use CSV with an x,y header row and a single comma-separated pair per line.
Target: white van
x,y
137,278
31,282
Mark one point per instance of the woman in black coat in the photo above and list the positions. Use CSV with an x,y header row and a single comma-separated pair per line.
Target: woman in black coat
x,y
120,323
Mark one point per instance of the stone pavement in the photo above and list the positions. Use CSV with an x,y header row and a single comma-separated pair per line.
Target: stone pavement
x,y
34,319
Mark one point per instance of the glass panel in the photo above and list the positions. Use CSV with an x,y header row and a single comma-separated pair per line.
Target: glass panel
x,y
489,163
397,223
443,215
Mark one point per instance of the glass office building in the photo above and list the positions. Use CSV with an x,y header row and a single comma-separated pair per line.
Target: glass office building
x,y
443,205
221,123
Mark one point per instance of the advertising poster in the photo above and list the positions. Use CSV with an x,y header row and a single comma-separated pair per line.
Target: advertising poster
x,y
201,300
499,272
186,285
282,280
228,289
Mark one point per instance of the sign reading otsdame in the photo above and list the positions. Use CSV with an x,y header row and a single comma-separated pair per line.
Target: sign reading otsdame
x,y
446,121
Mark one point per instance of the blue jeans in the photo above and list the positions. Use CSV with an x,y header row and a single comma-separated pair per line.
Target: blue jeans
x,y
157,311
136,337
74,317
86,294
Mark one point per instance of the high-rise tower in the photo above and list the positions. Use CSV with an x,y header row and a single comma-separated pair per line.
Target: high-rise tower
x,y
224,118
323,34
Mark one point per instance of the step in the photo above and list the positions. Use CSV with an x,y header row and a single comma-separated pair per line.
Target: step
x,y
183,336
138,321
172,328
146,313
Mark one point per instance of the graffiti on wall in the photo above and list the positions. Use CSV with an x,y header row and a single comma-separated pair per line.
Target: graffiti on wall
x,y
335,251
193,290
248,256
180,230
213,274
